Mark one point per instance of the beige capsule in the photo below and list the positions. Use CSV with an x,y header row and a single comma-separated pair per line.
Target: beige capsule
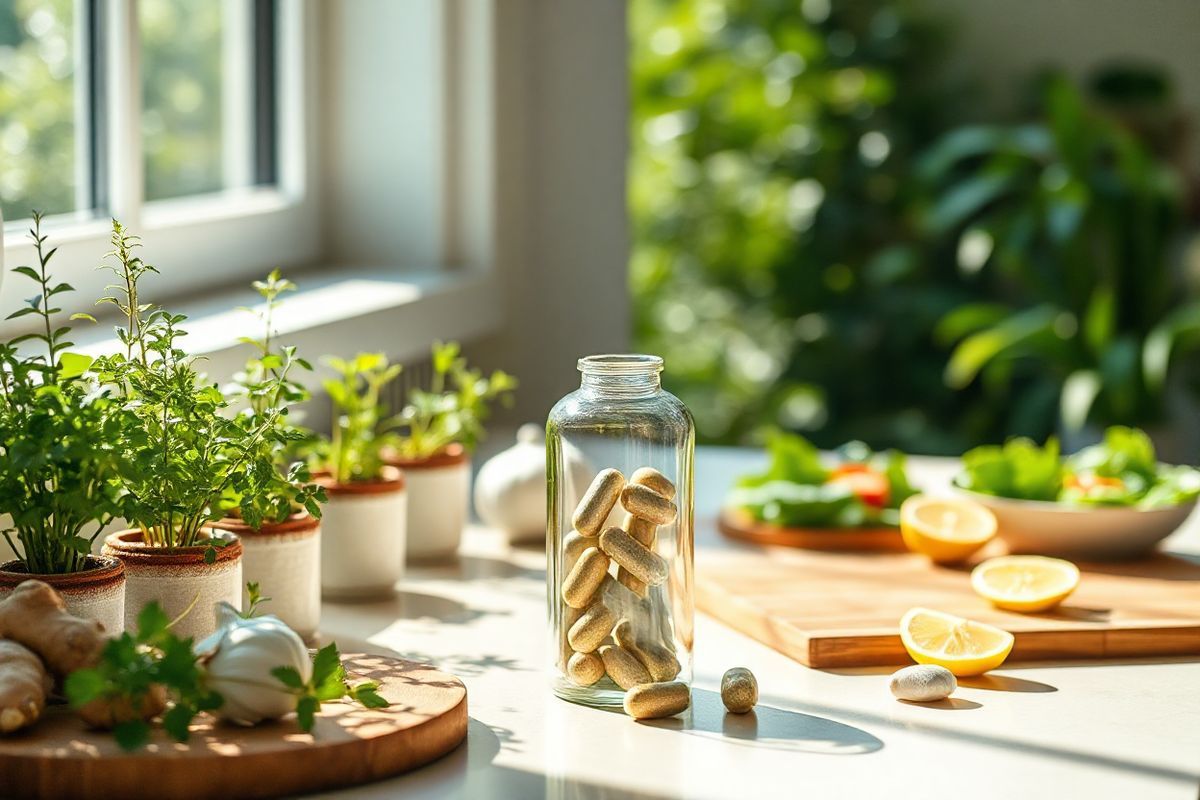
x,y
573,545
649,476
655,700
625,670
644,502
659,661
585,578
589,630
585,669
739,690
648,567
641,529
632,584
598,502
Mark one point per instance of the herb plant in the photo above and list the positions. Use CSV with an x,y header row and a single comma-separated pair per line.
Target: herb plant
x,y
454,407
361,429
60,436
269,392
184,461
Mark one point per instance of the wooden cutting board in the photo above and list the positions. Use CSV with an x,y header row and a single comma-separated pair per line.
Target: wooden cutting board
x,y
842,609
59,758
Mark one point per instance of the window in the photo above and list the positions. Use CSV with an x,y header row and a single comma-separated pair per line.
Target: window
x,y
171,115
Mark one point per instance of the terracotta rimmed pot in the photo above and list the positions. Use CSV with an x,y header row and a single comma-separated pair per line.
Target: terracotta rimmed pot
x,y
95,592
177,576
439,489
284,559
362,540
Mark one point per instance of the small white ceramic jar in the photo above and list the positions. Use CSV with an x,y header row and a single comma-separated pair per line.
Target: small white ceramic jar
x,y
362,536
178,578
284,559
439,489
97,592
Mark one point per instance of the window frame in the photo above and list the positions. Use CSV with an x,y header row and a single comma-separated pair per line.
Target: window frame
x,y
208,240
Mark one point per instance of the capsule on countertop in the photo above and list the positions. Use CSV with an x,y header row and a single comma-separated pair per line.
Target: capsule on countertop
x,y
584,669
648,567
625,670
589,630
739,690
644,502
659,661
656,700
923,683
649,476
598,502
585,578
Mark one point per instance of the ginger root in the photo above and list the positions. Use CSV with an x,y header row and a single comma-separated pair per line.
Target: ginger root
x,y
24,684
107,713
34,615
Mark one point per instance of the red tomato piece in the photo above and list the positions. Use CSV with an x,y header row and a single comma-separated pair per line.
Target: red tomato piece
x,y
872,487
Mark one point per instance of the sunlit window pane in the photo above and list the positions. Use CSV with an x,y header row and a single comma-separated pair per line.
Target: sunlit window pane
x,y
183,107
38,160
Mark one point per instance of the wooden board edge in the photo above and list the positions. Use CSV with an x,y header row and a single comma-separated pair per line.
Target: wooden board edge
x,y
743,528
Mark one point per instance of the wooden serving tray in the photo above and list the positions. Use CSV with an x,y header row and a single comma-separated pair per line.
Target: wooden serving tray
x,y
828,609
60,758
740,525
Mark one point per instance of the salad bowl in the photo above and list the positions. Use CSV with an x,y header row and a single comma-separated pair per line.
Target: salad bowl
x,y
1087,533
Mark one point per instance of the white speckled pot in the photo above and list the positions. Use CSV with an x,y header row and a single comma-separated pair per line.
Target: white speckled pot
x,y
362,536
439,488
95,593
284,559
175,576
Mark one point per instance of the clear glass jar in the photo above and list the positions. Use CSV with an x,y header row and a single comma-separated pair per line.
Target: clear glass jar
x,y
619,419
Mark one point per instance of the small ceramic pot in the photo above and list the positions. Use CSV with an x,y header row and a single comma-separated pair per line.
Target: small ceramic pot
x,y
439,489
362,536
284,559
97,592
176,577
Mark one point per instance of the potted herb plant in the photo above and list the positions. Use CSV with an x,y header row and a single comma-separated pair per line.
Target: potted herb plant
x,y
437,431
280,525
184,460
59,456
362,542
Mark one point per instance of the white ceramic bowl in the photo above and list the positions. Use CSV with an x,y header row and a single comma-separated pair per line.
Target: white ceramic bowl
x,y
1099,533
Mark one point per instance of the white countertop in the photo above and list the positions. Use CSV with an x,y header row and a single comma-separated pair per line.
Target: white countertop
x,y
1096,729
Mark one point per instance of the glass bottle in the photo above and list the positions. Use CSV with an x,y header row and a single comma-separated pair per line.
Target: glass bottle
x,y
619,419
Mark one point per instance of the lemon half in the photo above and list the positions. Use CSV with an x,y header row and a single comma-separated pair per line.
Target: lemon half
x,y
946,529
1025,583
963,646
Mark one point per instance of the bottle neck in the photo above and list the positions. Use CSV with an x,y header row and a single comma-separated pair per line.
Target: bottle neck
x,y
621,377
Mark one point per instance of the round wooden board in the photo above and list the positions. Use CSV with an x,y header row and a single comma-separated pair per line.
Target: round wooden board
x,y
349,745
739,525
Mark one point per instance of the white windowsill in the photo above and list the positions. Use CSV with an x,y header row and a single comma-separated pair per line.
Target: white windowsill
x,y
335,312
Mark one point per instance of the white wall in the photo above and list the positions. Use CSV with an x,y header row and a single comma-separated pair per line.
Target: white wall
x,y
1003,41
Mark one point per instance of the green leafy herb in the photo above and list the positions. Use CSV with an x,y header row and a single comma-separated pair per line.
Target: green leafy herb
x,y
269,391
184,461
328,683
361,430
454,408
255,599
131,665
60,435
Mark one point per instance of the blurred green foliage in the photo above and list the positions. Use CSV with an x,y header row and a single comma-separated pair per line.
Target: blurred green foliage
x,y
813,233
37,127
182,107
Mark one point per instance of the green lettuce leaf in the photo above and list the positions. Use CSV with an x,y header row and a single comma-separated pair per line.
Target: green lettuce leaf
x,y
1018,469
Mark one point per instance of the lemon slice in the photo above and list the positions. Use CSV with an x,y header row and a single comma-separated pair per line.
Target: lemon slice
x,y
945,528
1025,583
963,646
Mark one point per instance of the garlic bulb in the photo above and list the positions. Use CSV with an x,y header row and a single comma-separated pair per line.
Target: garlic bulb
x,y
510,490
238,659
